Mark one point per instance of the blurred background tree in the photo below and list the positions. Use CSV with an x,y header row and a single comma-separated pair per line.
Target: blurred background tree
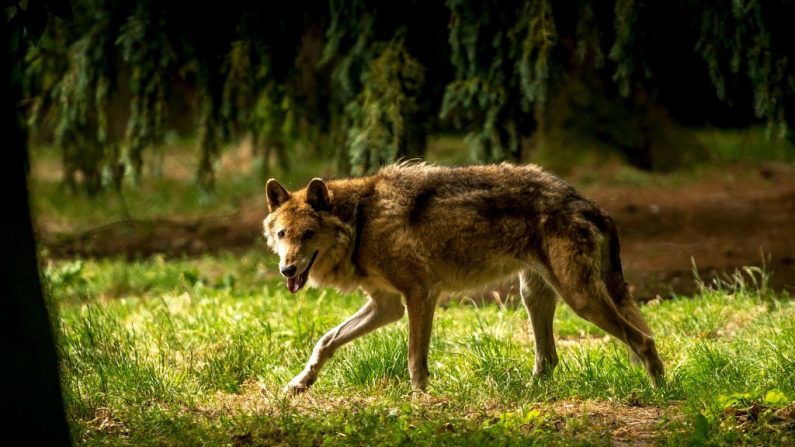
x,y
367,82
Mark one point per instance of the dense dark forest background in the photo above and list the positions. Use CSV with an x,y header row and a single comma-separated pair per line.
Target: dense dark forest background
x,y
366,82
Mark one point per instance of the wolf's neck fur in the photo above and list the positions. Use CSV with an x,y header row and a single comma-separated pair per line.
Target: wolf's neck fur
x,y
338,265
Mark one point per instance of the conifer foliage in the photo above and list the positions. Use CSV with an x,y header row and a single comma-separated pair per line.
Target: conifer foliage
x,y
367,81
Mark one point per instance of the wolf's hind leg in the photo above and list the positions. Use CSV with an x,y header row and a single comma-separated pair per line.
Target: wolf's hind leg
x,y
582,286
627,307
380,309
630,310
540,300
596,307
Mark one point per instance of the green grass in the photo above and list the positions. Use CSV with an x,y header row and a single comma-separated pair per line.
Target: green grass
x,y
197,351
738,145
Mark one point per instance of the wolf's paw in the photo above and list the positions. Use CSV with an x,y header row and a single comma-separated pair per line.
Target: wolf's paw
x,y
658,380
298,385
419,385
543,369
294,389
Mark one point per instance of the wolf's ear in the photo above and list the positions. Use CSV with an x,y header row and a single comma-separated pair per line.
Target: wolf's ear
x,y
317,195
276,194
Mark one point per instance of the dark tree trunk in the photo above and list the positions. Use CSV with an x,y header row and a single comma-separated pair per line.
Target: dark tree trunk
x,y
29,379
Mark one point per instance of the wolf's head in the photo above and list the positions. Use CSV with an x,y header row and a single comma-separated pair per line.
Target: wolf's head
x,y
295,230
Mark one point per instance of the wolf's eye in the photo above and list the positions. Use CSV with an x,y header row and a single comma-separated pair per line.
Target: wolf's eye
x,y
308,234
280,234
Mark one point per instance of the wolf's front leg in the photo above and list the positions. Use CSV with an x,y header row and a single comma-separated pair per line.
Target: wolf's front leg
x,y
380,309
420,308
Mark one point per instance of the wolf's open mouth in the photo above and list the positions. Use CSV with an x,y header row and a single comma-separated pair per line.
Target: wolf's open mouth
x,y
295,283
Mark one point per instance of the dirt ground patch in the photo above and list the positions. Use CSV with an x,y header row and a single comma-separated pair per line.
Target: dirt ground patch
x,y
624,425
722,223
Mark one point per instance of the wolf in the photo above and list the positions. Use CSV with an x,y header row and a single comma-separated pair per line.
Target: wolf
x,y
414,230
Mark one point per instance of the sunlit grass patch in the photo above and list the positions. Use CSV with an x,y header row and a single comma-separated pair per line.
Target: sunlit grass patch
x,y
169,352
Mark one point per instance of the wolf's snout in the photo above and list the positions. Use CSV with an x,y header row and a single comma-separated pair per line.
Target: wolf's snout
x,y
289,271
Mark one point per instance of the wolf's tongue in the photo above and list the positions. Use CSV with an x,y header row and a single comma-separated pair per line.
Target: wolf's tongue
x,y
292,284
